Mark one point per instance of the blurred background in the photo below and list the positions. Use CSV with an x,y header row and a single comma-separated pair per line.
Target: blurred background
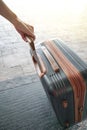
x,y
66,19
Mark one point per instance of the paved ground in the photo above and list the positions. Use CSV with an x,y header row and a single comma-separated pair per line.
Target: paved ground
x,y
15,58
25,106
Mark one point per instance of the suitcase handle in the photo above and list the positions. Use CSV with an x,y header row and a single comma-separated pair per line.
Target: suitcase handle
x,y
41,70
31,43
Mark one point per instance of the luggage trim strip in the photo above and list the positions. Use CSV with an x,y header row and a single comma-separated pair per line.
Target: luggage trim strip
x,y
51,60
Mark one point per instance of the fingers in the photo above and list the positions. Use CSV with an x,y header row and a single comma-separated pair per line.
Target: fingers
x,y
24,36
25,30
30,32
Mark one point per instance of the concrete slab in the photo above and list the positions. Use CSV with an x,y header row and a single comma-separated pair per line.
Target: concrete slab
x,y
25,106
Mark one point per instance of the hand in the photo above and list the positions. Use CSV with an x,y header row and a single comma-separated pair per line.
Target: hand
x,y
25,30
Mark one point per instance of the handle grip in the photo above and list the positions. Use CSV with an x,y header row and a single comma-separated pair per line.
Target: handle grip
x,y
35,56
31,43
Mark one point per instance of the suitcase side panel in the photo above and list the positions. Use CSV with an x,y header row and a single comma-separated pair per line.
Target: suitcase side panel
x,y
50,84
58,89
80,65
57,102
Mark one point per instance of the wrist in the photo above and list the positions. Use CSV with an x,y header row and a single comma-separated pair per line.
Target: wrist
x,y
13,19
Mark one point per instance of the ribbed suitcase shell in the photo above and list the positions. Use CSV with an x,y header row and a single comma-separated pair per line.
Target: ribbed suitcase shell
x,y
58,87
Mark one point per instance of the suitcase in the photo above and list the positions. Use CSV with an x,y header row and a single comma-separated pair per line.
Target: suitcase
x,y
64,77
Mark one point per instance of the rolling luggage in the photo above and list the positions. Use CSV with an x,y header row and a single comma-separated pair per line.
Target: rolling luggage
x,y
64,77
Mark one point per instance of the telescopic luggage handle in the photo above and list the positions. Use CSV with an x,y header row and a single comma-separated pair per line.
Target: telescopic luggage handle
x,y
31,43
36,58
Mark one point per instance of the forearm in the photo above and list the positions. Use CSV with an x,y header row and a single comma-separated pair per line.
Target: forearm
x,y
7,13
22,28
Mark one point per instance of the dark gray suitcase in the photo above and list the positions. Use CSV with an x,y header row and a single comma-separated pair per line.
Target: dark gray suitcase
x,y
64,82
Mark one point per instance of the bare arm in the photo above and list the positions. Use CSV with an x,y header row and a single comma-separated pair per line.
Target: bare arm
x,y
6,12
22,28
